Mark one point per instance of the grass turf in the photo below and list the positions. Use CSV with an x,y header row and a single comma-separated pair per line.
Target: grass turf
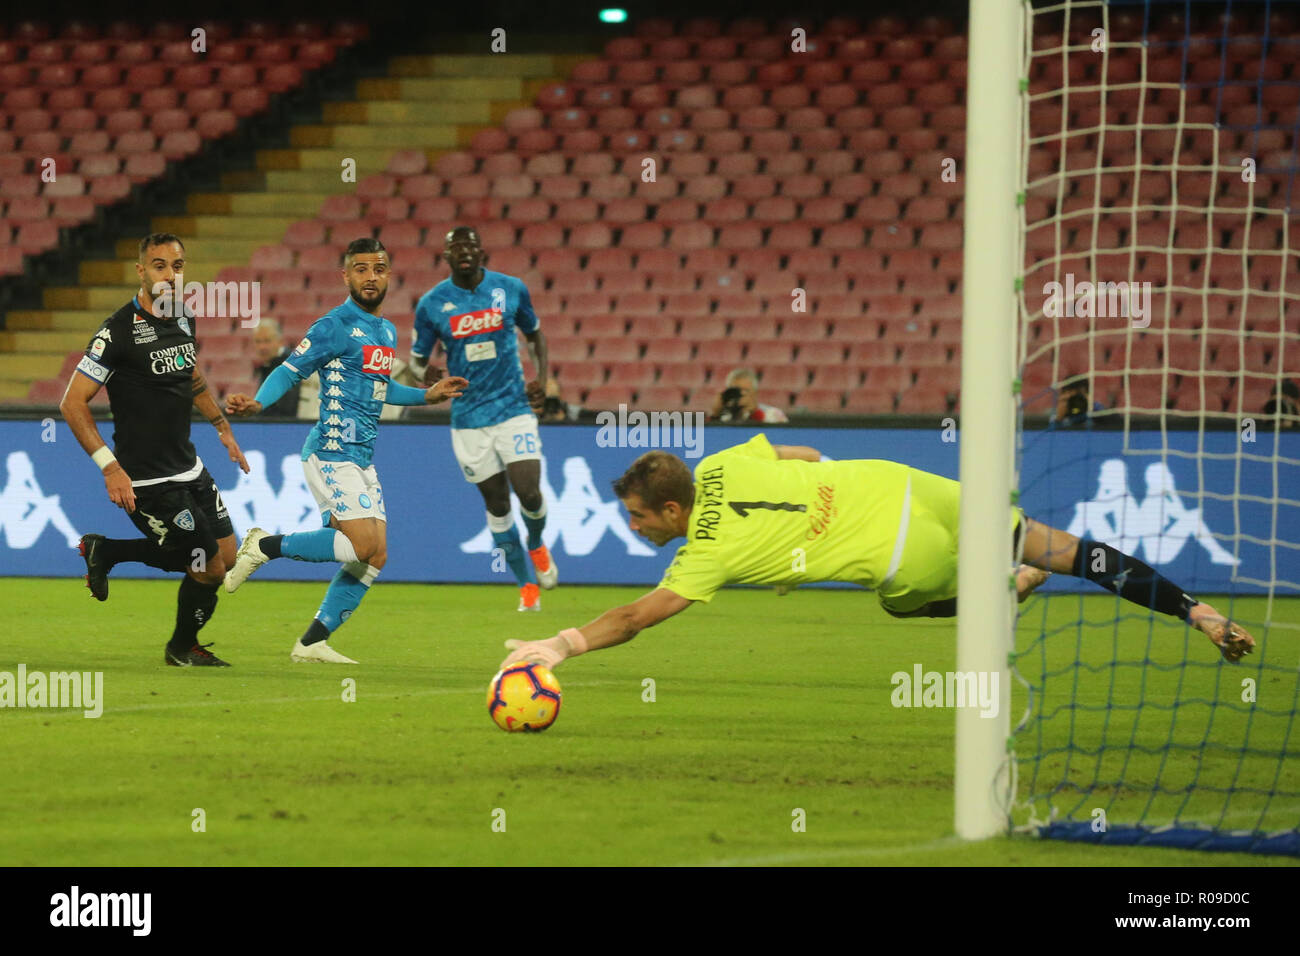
x,y
763,705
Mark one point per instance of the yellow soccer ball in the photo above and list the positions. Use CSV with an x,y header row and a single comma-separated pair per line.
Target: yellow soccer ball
x,y
524,697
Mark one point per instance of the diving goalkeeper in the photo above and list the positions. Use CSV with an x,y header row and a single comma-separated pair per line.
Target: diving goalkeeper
x,y
778,515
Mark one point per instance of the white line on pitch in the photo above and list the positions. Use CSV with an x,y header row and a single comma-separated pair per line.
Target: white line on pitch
x,y
235,702
777,859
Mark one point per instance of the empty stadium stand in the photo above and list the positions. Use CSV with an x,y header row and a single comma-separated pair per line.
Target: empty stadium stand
x,y
694,199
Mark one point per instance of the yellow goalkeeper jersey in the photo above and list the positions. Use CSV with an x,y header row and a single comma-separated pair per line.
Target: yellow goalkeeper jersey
x,y
760,520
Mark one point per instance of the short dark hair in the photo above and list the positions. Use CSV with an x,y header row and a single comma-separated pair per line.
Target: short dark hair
x,y
1075,383
451,234
159,239
657,477
366,245
1288,388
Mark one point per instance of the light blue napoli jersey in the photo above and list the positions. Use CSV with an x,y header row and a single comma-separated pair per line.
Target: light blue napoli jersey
x,y
477,330
353,352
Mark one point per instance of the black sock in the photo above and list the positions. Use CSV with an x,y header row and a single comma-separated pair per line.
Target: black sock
x,y
1131,579
946,608
270,545
195,604
143,550
316,632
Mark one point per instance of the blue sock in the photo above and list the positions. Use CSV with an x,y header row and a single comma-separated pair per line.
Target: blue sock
x,y
508,541
309,545
344,594
535,523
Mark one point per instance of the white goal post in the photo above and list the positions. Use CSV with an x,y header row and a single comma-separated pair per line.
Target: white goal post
x,y
991,252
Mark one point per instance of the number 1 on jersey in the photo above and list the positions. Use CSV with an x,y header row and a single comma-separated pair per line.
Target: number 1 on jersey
x,y
743,508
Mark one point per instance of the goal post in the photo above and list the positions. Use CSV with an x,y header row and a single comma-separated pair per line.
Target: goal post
x,y
991,254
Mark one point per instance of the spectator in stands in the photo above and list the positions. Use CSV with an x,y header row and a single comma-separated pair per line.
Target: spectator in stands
x,y
1072,404
1285,402
738,402
270,350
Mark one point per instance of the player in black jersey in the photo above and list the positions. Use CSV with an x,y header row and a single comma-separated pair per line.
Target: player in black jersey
x,y
149,363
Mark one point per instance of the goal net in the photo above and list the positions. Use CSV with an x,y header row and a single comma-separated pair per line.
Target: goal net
x,y
1159,327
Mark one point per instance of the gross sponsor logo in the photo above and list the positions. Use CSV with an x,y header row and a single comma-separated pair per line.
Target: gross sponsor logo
x,y
476,323
378,359
176,358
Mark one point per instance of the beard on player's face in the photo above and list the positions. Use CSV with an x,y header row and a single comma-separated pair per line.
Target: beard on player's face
x,y
368,297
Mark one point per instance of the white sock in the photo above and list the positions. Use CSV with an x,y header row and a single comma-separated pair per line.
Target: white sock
x,y
344,552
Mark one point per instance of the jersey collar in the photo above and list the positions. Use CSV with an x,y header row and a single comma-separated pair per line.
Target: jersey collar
x,y
474,290
351,303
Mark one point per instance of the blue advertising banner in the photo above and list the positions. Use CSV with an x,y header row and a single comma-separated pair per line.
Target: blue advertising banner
x,y
1203,512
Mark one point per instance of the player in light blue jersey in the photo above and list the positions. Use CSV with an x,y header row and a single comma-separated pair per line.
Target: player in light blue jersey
x,y
474,315
352,346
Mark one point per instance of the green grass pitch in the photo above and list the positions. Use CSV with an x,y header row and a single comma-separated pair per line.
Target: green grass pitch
x,y
763,705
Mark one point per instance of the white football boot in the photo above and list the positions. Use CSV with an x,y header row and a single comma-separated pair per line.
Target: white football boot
x,y
248,559
542,558
318,653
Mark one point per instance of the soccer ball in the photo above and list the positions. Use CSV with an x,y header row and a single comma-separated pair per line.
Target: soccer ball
x,y
524,697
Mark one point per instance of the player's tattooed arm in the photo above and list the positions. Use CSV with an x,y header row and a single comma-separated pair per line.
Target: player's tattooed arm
x,y
206,404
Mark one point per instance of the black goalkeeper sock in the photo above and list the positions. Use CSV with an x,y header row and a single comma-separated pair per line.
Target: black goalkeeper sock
x,y
270,545
1131,579
316,632
142,550
195,604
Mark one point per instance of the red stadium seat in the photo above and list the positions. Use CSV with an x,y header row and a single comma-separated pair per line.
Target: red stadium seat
x,y
247,102
281,77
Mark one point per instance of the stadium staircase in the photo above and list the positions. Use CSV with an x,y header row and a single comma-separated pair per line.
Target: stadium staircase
x,y
238,232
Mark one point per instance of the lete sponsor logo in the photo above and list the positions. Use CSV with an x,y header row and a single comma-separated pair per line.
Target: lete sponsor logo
x,y
378,359
476,323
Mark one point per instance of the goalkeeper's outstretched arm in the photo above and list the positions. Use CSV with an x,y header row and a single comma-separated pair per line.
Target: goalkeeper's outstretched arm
x,y
1050,549
616,626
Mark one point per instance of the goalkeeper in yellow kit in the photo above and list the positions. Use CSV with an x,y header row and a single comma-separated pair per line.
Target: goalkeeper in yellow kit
x,y
779,515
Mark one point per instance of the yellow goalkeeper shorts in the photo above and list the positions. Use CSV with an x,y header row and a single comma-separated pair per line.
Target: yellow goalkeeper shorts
x,y
928,570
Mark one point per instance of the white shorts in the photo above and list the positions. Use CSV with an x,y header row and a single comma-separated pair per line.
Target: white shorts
x,y
483,452
344,489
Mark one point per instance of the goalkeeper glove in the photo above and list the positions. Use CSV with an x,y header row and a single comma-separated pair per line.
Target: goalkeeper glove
x,y
550,652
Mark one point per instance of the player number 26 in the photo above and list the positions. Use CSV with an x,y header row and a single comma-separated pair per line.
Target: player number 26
x,y
525,444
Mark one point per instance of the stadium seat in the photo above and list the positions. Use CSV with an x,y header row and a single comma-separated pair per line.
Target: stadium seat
x,y
659,397
607,397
